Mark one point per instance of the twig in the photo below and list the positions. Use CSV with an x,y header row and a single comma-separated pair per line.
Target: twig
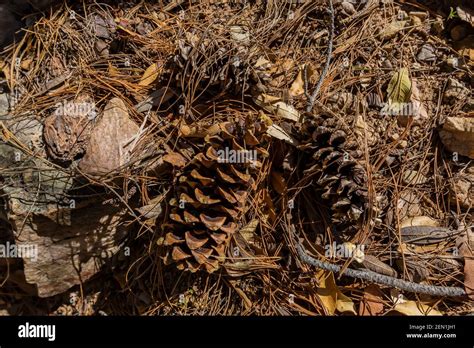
x,y
312,98
377,278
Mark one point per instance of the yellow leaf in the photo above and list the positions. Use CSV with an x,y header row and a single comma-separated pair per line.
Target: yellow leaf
x,y
248,231
150,75
399,90
399,87
414,308
331,297
297,87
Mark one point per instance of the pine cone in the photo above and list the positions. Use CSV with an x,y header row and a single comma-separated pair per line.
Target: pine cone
x,y
211,194
336,165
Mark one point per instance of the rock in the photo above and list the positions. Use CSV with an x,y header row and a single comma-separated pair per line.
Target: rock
x,y
408,205
71,239
348,8
427,53
69,253
4,104
102,27
67,130
455,90
240,34
457,135
111,141
391,29
29,131
413,177
452,62
462,189
102,48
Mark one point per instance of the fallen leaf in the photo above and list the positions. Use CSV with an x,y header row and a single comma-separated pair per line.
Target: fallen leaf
x,y
152,210
469,277
364,131
372,302
466,15
399,91
419,221
356,252
278,182
392,29
276,106
248,231
415,308
279,133
297,87
150,75
175,159
113,71
331,297
26,64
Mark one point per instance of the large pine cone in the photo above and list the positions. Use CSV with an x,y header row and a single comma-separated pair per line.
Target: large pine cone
x,y
336,166
211,194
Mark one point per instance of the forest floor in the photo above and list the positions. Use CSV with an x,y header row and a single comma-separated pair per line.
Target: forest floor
x,y
262,157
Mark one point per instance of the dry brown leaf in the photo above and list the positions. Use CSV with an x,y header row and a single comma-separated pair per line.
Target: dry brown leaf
x,y
372,302
175,159
150,75
297,87
469,277
278,183
26,64
419,110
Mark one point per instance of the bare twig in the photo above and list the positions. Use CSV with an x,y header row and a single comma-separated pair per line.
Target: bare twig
x,y
376,277
312,97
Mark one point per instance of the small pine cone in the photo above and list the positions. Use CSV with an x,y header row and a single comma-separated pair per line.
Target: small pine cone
x,y
336,164
211,194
